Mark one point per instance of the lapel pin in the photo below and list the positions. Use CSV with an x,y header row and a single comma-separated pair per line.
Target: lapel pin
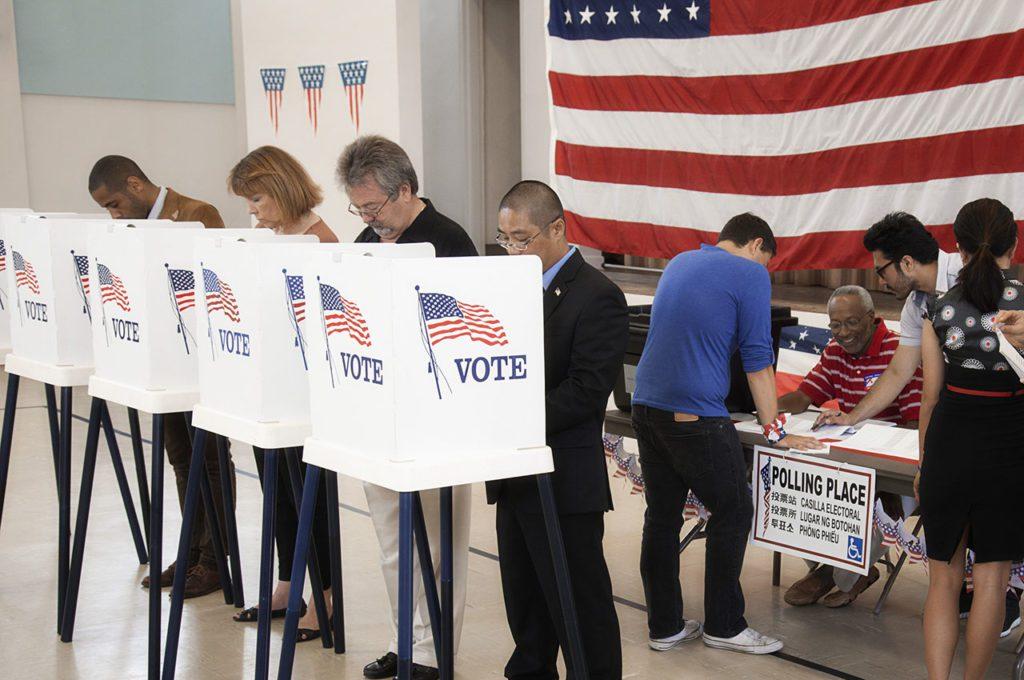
x,y
558,291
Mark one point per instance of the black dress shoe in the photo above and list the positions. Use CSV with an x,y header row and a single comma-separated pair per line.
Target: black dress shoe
x,y
384,668
424,672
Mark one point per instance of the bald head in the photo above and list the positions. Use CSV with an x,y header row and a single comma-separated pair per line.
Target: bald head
x,y
535,200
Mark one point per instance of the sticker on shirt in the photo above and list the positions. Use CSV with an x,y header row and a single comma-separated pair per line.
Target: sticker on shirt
x,y
870,380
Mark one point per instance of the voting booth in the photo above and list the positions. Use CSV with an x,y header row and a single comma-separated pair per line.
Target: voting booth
x,y
144,336
5,317
418,367
254,330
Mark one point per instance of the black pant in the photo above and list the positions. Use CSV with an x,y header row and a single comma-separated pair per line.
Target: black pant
x,y
531,596
704,456
179,455
287,522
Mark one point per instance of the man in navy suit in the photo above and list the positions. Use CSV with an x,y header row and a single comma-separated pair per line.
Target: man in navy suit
x,y
586,326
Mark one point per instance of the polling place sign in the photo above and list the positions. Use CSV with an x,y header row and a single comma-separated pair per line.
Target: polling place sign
x,y
813,508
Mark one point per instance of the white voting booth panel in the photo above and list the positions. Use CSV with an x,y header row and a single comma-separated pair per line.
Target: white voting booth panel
x,y
144,328
252,383
428,373
5,316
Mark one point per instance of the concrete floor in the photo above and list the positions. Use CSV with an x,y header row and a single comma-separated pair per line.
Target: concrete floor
x,y
110,636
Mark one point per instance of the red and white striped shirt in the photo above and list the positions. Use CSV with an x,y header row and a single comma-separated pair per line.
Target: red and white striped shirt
x,y
840,375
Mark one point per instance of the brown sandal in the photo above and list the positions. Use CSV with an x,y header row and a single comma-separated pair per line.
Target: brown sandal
x,y
306,634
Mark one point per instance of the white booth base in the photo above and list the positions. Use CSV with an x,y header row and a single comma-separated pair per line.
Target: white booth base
x,y
4,351
147,401
420,475
271,435
58,376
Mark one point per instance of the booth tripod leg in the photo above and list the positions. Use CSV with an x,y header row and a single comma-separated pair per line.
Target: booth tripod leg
x,y
156,537
140,467
334,531
92,439
427,572
51,416
575,657
122,482
316,579
405,581
263,611
64,503
228,495
213,524
7,435
298,575
196,473
447,659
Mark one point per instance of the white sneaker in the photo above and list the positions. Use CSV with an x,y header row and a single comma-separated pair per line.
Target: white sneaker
x,y
691,631
748,642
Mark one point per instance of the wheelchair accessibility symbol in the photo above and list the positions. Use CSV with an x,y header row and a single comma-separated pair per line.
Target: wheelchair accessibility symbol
x,y
855,549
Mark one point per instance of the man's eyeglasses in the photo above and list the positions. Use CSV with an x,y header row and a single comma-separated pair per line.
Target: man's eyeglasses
x,y
850,324
368,212
879,270
520,246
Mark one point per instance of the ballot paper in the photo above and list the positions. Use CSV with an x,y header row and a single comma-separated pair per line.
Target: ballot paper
x,y
894,443
1011,355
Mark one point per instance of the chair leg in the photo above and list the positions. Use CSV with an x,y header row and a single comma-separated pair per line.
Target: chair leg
x,y
10,410
92,440
122,483
890,581
140,467
337,588
196,473
576,658
298,576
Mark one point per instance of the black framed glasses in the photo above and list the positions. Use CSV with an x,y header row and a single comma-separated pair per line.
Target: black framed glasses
x,y
879,270
520,246
368,212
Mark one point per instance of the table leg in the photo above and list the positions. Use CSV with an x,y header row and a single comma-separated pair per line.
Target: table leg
x,y
64,503
156,537
337,589
122,482
266,564
419,528
10,410
447,667
140,467
228,494
405,581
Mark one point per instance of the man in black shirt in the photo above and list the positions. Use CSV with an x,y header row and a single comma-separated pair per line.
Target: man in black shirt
x,y
381,184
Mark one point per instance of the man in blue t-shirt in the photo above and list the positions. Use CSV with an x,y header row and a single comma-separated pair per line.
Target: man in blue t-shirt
x,y
709,304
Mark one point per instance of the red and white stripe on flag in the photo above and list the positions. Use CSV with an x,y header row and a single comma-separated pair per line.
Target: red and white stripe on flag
x,y
820,117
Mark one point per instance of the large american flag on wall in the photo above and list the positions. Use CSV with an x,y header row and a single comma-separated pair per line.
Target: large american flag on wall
x,y
672,116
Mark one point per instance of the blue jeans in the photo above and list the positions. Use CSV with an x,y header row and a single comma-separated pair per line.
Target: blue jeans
x,y
704,456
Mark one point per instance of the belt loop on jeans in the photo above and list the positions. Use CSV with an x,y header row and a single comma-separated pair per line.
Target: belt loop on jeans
x,y
983,393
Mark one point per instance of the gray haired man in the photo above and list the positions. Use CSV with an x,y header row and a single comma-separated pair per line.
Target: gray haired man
x,y
381,184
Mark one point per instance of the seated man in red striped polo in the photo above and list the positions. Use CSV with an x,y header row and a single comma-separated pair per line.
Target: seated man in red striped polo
x,y
861,349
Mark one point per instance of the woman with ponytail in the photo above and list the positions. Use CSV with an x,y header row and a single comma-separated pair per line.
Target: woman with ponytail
x,y
972,443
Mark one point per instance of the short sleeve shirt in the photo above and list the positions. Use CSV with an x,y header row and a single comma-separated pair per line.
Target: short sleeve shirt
x,y
967,337
847,378
915,309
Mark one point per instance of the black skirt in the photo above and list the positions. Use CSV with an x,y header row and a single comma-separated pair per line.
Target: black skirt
x,y
973,467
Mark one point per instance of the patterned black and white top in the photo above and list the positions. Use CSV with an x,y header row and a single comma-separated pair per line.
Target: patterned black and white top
x,y
966,335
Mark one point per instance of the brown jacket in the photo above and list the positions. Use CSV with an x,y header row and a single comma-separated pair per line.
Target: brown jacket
x,y
184,209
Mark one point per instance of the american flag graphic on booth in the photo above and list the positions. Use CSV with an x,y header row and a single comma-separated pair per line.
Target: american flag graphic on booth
x,y
82,265
273,86
297,295
447,318
353,77
766,484
112,288
24,273
312,78
183,284
219,296
343,316
821,117
3,256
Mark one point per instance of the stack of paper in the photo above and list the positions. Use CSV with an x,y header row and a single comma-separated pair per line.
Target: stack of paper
x,y
895,443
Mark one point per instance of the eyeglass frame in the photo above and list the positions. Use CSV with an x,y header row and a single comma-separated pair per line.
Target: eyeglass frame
x,y
372,214
879,270
846,325
520,246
